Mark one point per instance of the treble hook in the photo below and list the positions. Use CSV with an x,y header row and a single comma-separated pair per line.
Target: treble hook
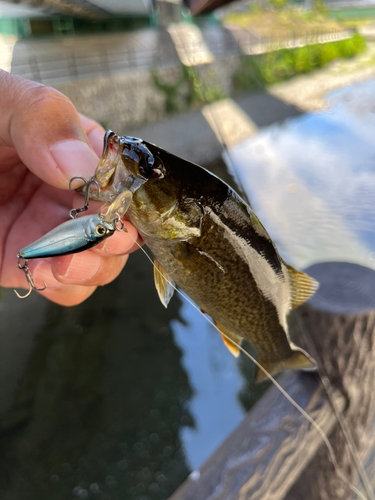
x,y
75,211
25,268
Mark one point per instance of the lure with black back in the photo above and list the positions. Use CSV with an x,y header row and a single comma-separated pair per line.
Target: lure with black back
x,y
211,244
72,236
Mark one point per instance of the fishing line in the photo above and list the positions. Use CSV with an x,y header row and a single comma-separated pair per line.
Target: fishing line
x,y
316,426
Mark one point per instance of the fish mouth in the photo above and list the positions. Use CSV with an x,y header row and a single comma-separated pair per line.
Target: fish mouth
x,y
109,160
111,174
117,170
111,145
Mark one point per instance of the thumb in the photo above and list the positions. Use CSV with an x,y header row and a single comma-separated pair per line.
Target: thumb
x,y
46,131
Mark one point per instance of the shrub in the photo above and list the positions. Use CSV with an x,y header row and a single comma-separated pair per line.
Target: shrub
x,y
255,72
187,90
170,91
304,59
199,92
249,75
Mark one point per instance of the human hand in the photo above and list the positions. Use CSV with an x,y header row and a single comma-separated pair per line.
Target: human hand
x,y
44,142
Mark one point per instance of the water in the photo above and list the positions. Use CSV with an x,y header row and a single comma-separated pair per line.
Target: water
x,y
119,398
118,393
312,180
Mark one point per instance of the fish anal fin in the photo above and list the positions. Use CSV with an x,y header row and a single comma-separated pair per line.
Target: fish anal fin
x,y
302,286
164,285
299,360
231,340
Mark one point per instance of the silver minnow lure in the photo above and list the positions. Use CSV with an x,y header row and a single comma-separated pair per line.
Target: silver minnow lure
x,y
72,236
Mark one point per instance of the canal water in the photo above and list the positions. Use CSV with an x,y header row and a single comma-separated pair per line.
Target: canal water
x,y
119,398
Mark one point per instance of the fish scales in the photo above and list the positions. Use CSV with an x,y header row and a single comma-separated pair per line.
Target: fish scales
x,y
222,285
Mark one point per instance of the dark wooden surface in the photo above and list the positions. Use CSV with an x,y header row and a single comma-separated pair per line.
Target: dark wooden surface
x,y
275,454
264,456
344,342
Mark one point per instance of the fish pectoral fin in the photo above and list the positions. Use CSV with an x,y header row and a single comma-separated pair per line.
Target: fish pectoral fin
x,y
302,286
184,222
164,285
230,340
299,360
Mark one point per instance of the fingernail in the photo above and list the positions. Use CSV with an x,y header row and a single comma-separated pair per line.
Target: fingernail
x,y
96,139
74,158
81,267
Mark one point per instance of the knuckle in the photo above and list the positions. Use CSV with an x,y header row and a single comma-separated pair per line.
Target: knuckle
x,y
42,96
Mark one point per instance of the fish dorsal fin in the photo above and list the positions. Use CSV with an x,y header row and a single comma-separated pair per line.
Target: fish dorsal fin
x,y
164,285
229,344
302,287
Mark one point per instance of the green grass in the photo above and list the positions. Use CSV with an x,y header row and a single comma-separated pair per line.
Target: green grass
x,y
287,22
256,72
352,13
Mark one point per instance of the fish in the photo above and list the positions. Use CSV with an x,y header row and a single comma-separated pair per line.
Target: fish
x,y
208,242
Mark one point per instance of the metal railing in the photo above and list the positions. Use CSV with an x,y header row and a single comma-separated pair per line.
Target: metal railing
x,y
79,64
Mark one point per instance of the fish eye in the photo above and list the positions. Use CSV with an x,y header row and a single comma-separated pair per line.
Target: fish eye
x,y
100,230
149,171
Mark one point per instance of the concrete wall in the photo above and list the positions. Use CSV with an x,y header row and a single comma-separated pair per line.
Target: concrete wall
x,y
129,100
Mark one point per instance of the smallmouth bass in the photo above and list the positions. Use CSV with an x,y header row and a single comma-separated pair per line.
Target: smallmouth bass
x,y
208,241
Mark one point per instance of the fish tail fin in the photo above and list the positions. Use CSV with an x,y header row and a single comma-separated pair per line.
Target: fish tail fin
x,y
299,360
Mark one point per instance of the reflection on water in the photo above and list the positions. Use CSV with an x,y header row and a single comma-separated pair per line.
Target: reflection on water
x,y
312,180
215,377
100,400
119,398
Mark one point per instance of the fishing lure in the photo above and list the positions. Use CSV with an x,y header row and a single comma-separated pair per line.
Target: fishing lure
x,y
72,236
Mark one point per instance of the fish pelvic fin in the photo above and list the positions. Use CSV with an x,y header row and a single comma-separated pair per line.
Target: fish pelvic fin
x,y
302,286
164,285
232,348
231,342
299,360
